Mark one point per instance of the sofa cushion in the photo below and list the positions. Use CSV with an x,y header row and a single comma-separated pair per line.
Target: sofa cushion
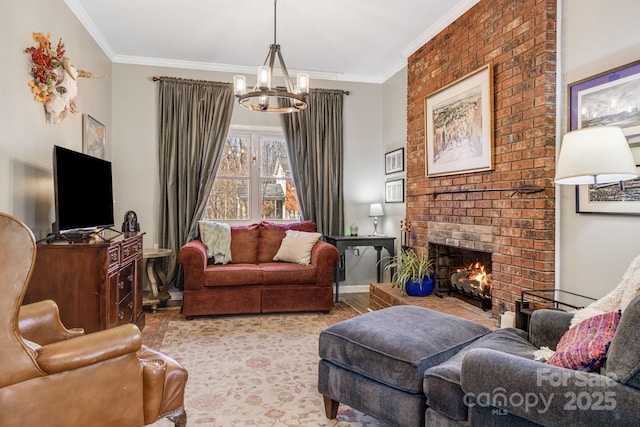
x,y
623,358
277,273
296,247
244,244
271,236
395,345
585,346
232,274
444,379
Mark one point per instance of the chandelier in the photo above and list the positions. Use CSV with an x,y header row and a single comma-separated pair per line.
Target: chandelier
x,y
265,98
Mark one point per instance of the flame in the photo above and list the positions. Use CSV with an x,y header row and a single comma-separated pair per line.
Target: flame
x,y
479,275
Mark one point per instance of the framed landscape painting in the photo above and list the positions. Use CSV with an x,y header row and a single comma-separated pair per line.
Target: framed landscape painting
x,y
94,137
459,125
611,98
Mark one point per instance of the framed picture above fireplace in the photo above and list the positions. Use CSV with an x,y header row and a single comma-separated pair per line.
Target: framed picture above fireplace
x,y
459,125
609,98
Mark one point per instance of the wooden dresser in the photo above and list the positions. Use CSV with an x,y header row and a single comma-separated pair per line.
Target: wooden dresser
x,y
97,285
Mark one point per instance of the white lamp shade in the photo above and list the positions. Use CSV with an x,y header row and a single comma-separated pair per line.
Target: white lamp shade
x,y
595,155
376,209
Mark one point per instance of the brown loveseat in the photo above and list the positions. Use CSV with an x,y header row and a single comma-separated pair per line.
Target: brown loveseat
x,y
252,282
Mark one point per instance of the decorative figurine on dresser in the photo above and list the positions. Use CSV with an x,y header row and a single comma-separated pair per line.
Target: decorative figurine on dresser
x,y
130,224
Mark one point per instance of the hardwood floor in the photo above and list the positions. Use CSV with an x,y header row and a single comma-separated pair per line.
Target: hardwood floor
x,y
445,304
358,300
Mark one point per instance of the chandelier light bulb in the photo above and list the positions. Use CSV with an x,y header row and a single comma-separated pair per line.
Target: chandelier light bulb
x,y
239,85
303,83
264,77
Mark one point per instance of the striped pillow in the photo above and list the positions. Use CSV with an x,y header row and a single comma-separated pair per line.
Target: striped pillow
x,y
584,348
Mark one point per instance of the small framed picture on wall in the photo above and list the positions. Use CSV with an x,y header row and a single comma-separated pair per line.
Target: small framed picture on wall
x,y
94,137
394,191
394,161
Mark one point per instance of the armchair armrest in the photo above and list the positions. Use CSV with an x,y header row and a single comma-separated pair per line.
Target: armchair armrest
x,y
544,394
89,349
40,322
548,326
193,258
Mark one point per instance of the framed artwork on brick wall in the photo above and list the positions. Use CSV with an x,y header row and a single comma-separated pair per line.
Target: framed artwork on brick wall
x,y
609,98
459,125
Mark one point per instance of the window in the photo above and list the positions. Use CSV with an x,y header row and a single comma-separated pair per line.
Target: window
x,y
254,180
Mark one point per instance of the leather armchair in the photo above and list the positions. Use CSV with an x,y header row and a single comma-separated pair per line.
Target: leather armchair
x,y
56,376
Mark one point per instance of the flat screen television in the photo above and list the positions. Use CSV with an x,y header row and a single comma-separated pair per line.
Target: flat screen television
x,y
83,192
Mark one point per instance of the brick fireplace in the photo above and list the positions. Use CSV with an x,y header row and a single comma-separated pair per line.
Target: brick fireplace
x,y
518,38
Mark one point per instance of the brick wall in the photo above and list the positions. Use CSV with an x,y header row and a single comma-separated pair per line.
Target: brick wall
x,y
519,39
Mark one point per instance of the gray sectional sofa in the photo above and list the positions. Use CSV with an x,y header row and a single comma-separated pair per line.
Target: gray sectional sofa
x,y
413,367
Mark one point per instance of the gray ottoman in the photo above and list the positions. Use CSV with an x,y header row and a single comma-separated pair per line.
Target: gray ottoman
x,y
375,362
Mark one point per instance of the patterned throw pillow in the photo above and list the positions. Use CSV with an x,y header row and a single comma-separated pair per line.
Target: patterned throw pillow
x,y
584,347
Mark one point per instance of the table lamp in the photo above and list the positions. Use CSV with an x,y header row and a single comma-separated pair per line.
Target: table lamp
x,y
375,210
595,155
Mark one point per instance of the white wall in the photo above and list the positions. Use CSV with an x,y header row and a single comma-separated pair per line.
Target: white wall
x,y
595,250
394,134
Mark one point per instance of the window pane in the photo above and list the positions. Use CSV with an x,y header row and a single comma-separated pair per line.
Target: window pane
x,y
279,199
235,157
229,200
274,159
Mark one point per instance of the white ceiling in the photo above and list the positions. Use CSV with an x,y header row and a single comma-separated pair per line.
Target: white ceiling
x,y
349,40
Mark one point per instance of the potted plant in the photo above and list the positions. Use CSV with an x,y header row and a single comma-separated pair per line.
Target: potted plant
x,y
412,272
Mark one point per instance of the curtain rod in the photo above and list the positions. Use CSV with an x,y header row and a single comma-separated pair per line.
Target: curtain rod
x,y
156,78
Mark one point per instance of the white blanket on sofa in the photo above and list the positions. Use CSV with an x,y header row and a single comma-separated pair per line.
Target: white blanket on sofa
x,y
216,237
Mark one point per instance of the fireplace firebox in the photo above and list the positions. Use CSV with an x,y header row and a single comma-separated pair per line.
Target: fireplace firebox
x,y
463,273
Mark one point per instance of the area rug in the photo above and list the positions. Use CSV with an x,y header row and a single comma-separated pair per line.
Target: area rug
x,y
253,370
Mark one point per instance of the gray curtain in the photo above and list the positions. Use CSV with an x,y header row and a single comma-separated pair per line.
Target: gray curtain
x,y
194,120
314,140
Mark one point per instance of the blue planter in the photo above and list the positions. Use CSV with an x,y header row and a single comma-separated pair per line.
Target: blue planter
x,y
420,288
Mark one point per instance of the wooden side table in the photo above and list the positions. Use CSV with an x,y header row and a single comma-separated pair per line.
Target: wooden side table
x,y
155,295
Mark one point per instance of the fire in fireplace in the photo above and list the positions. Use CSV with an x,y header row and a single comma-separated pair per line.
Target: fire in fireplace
x,y
474,282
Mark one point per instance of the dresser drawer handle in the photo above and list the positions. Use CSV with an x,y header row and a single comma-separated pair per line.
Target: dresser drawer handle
x,y
130,305
121,285
126,251
130,278
114,257
121,315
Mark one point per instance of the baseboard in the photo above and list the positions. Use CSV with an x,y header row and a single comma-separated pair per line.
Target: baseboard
x,y
353,289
